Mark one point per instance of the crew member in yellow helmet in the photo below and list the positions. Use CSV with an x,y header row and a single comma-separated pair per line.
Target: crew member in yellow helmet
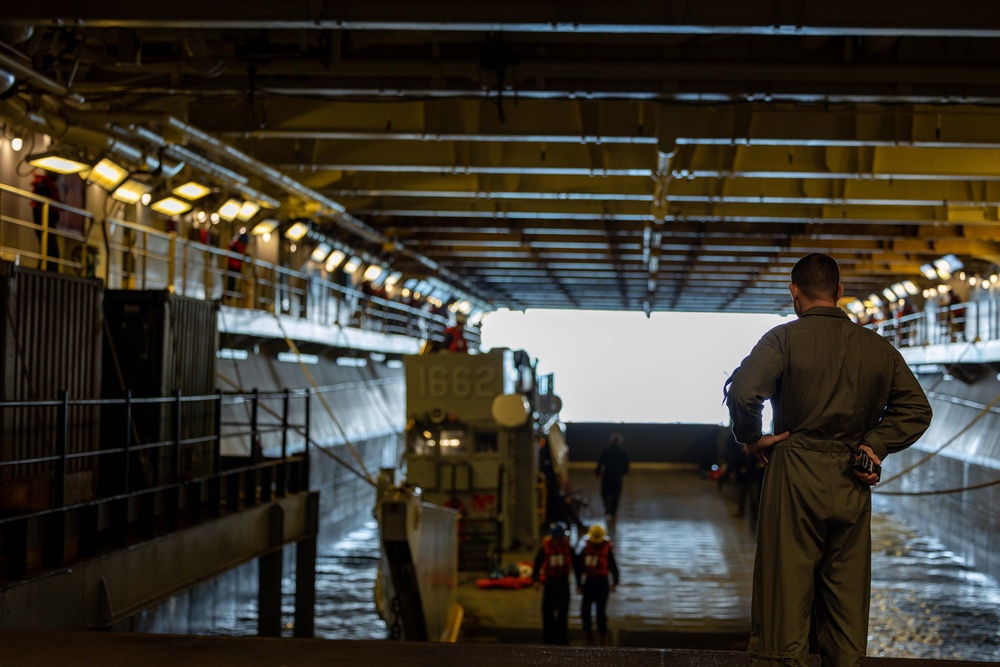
x,y
596,562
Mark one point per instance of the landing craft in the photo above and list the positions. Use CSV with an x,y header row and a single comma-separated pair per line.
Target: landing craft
x,y
472,486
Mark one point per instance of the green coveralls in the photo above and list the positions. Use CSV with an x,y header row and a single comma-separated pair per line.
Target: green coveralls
x,y
833,385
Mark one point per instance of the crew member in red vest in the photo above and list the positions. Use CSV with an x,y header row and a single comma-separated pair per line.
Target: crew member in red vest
x,y
454,337
553,564
595,563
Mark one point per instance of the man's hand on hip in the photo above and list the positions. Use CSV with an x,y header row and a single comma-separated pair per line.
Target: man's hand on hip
x,y
762,448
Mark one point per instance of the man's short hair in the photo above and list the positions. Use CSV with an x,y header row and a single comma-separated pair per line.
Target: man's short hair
x,y
817,276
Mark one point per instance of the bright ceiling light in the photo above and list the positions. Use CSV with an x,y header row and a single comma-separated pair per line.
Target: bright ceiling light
x,y
928,271
910,287
191,191
132,191
874,298
248,210
393,278
16,144
373,272
229,210
321,252
170,206
352,265
297,231
58,161
334,260
265,227
107,174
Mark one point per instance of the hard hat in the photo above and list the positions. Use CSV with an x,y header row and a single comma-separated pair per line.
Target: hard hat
x,y
558,529
595,534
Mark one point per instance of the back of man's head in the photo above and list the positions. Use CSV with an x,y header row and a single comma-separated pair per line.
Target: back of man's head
x,y
817,276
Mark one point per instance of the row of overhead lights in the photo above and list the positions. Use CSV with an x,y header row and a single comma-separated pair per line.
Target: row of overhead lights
x,y
130,188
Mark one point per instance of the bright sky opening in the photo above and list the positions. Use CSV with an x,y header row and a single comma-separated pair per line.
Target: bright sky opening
x,y
623,367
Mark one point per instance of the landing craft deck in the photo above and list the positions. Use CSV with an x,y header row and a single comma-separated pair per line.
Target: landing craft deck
x,y
686,564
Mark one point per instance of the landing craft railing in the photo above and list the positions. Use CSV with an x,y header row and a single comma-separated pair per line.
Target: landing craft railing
x,y
133,480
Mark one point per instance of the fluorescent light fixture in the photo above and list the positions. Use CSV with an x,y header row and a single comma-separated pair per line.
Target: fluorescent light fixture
x,y
377,356
373,272
393,278
107,174
265,227
230,353
876,301
191,191
910,287
398,363
321,252
899,290
928,271
355,362
334,260
953,263
411,284
297,231
856,307
889,294
229,210
170,206
58,161
353,264
292,358
248,210
131,191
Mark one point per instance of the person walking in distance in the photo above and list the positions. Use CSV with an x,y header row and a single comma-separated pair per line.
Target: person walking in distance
x,y
843,399
595,563
612,466
553,564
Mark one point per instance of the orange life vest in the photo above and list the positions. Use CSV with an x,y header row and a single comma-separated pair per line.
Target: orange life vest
x,y
558,558
595,559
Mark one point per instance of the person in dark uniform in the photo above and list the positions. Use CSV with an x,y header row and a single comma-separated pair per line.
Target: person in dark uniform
x,y
594,564
836,389
553,564
612,466
44,185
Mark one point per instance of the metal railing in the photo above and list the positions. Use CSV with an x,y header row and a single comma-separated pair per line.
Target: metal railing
x,y
961,322
23,238
212,461
139,257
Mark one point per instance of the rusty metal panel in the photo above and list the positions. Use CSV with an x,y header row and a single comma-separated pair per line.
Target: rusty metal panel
x,y
50,340
159,343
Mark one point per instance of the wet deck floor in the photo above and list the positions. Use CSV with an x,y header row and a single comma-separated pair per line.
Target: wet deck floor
x,y
686,563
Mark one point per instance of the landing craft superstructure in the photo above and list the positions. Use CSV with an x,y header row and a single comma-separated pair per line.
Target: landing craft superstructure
x,y
472,444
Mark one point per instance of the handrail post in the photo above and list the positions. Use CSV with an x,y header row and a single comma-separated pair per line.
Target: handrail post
x,y
308,419
172,263
177,435
43,250
284,423
128,437
62,432
254,435
217,444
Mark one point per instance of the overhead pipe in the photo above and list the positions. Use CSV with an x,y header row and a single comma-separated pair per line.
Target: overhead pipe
x,y
340,215
18,112
19,69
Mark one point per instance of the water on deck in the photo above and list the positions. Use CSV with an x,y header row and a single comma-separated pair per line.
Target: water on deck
x,y
686,562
